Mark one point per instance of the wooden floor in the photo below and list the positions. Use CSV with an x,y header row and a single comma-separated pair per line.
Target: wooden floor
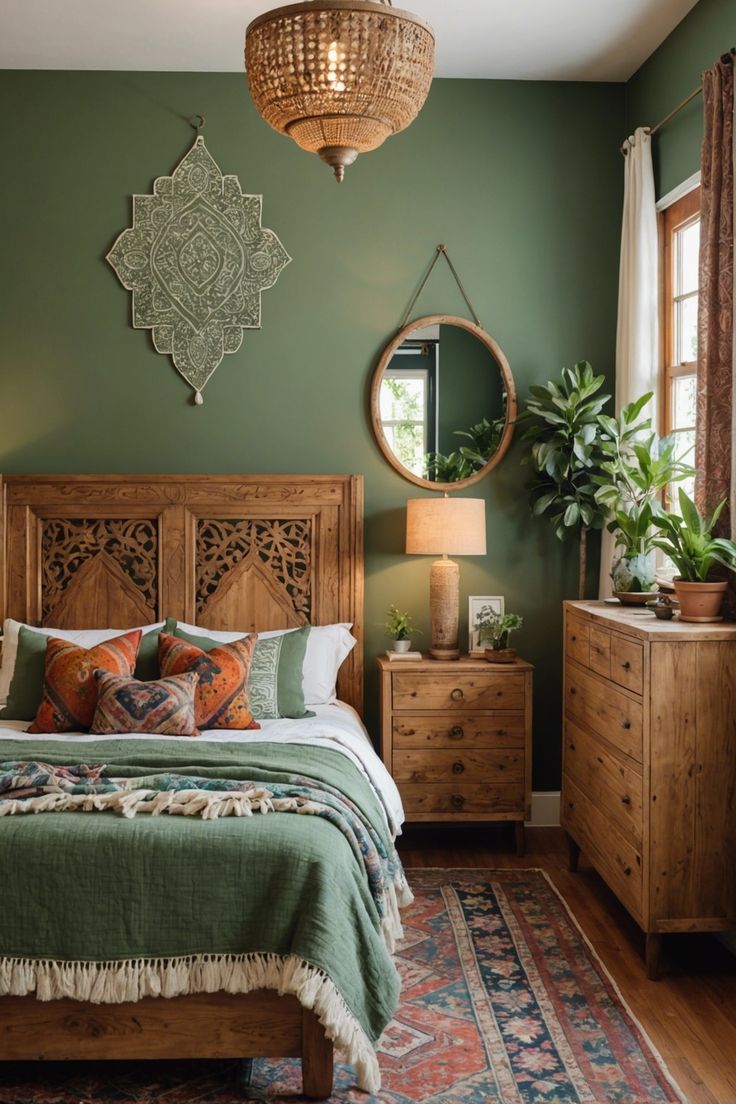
x,y
690,1015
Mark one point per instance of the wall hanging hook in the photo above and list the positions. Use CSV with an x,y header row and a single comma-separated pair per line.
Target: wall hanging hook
x,y
197,122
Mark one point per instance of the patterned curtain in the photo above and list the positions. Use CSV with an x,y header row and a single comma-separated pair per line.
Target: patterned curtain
x,y
715,455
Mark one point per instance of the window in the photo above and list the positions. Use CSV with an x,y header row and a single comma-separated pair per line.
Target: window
x,y
680,242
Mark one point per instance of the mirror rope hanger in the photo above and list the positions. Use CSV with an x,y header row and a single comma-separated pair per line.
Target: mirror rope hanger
x,y
440,252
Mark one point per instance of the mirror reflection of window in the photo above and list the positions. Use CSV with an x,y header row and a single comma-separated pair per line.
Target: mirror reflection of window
x,y
408,403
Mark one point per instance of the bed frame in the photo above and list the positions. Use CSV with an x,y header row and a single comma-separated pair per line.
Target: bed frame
x,y
223,552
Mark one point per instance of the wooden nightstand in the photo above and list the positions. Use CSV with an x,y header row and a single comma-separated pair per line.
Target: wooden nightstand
x,y
456,736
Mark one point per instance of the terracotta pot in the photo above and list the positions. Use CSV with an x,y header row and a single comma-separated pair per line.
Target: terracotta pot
x,y
503,655
700,601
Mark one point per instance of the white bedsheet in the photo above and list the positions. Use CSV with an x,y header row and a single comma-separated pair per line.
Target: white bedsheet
x,y
335,726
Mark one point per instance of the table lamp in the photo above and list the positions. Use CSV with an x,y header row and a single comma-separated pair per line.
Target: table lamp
x,y
446,527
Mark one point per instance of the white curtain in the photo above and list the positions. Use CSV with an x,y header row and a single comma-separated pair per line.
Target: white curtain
x,y
637,334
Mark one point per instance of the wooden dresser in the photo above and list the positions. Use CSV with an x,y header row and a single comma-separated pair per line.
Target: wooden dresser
x,y
456,736
649,765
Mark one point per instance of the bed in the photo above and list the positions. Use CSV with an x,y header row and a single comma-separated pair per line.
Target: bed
x,y
227,553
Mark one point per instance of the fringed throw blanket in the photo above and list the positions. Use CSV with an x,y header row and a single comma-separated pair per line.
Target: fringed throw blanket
x,y
200,894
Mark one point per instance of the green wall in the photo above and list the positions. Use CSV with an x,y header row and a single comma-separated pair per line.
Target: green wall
x,y
521,180
668,76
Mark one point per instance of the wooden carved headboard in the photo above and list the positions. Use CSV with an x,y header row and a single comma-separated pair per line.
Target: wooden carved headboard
x,y
248,552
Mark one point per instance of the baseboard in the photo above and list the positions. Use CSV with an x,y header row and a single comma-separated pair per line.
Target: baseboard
x,y
545,809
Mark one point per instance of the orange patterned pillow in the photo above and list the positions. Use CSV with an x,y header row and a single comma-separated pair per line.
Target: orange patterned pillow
x,y
69,686
221,696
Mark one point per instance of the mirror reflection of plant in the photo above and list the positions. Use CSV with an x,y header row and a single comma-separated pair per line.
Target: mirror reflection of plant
x,y
565,454
494,627
485,437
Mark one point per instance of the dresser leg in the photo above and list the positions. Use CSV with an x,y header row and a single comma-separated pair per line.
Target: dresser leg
x,y
573,855
653,955
519,834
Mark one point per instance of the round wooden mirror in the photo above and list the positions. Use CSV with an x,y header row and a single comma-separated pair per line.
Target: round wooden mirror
x,y
443,402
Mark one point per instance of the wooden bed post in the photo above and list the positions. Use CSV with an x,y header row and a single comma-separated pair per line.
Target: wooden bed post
x,y
317,1058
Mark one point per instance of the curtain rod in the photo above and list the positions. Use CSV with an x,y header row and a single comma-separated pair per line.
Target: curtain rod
x,y
651,131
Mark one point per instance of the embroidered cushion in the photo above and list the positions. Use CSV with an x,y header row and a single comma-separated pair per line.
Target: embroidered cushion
x,y
26,686
222,695
164,706
276,680
69,685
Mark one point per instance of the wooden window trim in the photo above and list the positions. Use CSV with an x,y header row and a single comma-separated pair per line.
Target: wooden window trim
x,y
672,219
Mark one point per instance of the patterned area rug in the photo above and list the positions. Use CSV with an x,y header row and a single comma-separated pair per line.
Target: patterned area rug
x,y
503,1002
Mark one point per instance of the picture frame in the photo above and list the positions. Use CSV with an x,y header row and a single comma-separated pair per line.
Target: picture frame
x,y
475,604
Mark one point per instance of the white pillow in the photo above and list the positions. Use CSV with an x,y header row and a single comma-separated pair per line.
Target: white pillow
x,y
85,638
327,648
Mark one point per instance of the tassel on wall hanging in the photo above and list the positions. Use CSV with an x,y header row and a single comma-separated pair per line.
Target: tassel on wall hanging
x,y
196,260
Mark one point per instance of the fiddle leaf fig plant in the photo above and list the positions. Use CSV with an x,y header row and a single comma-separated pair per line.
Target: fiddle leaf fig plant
x,y
564,435
484,436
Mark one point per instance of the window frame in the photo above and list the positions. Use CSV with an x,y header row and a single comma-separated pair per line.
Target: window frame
x,y
672,219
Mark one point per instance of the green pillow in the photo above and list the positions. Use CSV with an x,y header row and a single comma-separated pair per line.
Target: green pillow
x,y
275,682
26,685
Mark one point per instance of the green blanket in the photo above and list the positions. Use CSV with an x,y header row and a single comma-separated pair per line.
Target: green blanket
x,y
180,904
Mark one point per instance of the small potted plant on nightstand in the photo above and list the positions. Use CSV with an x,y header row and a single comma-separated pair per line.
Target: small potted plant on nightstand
x,y
398,629
689,542
494,629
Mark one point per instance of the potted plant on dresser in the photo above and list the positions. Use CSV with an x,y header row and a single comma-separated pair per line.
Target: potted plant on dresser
x,y
494,628
398,629
637,470
689,542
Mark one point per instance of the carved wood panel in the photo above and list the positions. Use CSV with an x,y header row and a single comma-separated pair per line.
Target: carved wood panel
x,y
102,553
282,546
259,551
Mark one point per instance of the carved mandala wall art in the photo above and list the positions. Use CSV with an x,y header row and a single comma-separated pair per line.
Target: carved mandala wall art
x,y
196,260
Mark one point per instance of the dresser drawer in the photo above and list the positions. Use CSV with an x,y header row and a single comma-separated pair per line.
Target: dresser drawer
x,y
458,766
577,639
457,692
604,710
444,799
469,730
615,859
610,783
600,652
627,663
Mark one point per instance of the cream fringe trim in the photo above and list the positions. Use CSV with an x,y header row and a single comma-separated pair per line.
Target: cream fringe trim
x,y
115,982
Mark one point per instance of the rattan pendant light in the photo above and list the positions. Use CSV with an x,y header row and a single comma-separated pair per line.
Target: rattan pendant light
x,y
339,76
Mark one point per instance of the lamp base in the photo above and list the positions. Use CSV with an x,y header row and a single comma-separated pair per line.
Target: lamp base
x,y
444,608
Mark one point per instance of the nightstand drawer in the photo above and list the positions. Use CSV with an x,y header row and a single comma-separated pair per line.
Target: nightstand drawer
x,y
490,690
484,730
458,766
446,799
609,781
604,710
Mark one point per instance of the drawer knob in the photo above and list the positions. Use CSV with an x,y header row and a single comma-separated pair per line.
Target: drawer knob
x,y
626,800
458,767
457,801
626,724
457,694
457,732
501,732
627,871
626,666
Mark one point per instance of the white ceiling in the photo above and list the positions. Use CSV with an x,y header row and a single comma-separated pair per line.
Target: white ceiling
x,y
506,39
